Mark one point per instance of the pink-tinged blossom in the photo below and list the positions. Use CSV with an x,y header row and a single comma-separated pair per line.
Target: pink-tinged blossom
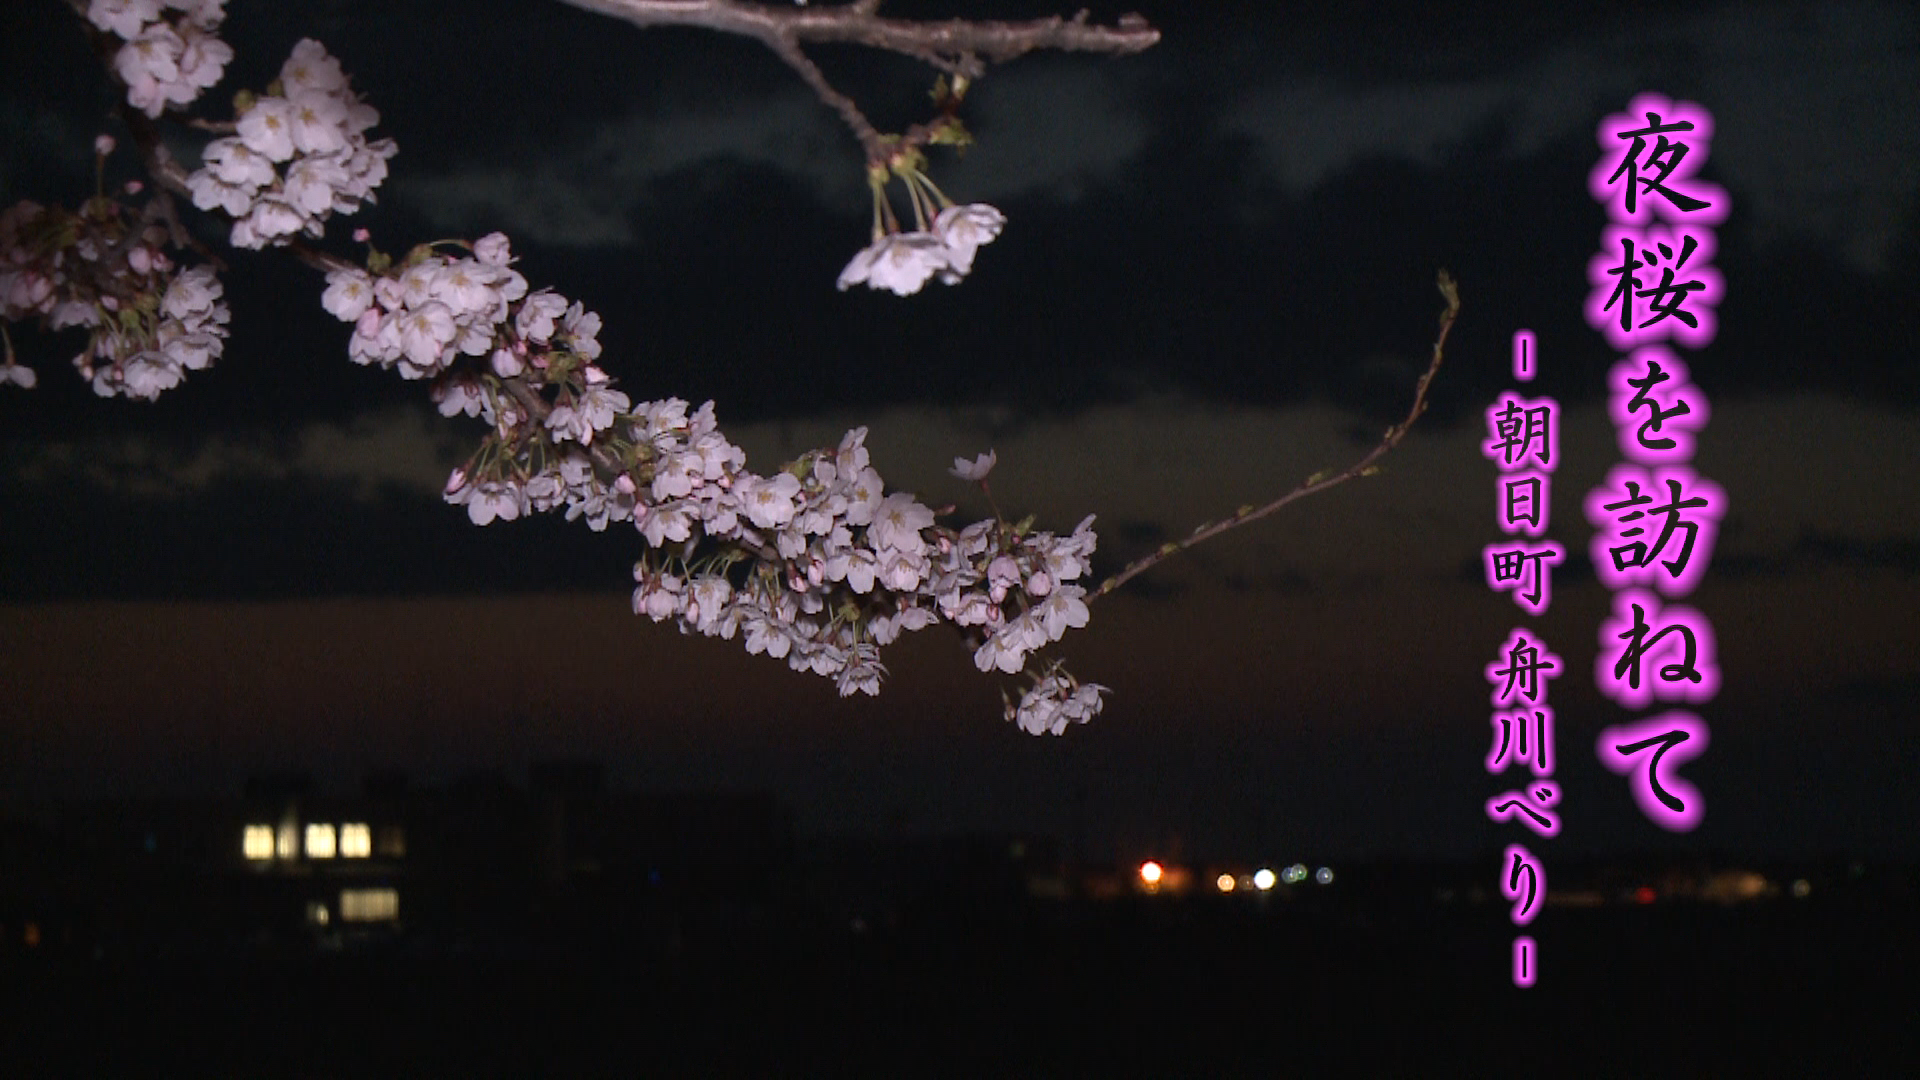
x,y
269,220
887,629
194,295
852,456
24,291
234,162
769,501
1003,573
192,351
1053,703
1066,558
968,608
145,375
963,229
123,17
863,673
459,395
856,566
311,183
18,375
349,294
863,496
897,523
976,470
151,57
898,262
658,596
315,132
309,68
582,330
494,499
675,476
707,602
493,249
901,571
536,318
267,128
1064,608
424,332
1005,651
767,636
599,405
569,422
383,345
210,192
664,523
465,286
201,64
506,362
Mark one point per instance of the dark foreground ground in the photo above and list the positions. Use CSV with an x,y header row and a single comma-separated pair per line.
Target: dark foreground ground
x,y
1138,986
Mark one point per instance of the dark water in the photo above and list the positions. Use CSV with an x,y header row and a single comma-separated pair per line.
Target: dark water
x,y
1124,988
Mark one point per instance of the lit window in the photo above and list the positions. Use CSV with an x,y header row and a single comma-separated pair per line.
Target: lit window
x,y
320,843
317,913
286,843
356,840
369,905
258,842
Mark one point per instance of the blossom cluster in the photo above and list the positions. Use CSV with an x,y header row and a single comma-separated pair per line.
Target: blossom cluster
x,y
422,316
840,567
816,563
300,155
903,262
151,321
172,53
1055,700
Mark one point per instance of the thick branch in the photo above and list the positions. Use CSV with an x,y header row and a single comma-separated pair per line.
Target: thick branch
x,y
859,24
1320,481
955,46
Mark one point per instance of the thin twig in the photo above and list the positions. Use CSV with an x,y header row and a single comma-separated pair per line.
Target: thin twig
x,y
1320,481
870,139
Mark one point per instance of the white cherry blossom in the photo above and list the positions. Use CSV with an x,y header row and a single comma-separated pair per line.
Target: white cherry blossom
x,y
977,469
349,293
769,502
898,262
897,523
963,229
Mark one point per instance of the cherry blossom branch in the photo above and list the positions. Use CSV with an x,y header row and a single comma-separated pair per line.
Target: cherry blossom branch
x,y
1318,482
958,47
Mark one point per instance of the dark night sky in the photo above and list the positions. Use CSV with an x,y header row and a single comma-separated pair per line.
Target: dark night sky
x,y
1215,280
